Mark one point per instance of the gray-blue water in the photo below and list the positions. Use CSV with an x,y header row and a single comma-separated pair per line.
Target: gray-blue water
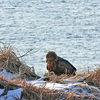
x,y
71,28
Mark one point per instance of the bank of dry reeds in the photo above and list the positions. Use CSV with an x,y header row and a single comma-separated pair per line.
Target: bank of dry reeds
x,y
10,61
30,92
91,78
35,93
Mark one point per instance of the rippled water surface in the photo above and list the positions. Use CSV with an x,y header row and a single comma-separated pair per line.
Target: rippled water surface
x,y
71,28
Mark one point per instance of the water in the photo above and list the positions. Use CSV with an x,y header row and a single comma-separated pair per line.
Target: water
x,y
71,28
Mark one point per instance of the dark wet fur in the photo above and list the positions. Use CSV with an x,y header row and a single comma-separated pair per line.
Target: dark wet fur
x,y
59,65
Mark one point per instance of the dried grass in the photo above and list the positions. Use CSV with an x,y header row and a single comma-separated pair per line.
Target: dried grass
x,y
91,78
52,77
9,60
12,63
33,93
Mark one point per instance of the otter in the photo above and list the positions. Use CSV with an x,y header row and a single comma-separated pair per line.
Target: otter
x,y
59,65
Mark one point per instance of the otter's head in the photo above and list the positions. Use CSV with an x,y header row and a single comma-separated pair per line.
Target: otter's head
x,y
51,59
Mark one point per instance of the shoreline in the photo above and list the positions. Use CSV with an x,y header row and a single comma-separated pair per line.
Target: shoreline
x,y
19,81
